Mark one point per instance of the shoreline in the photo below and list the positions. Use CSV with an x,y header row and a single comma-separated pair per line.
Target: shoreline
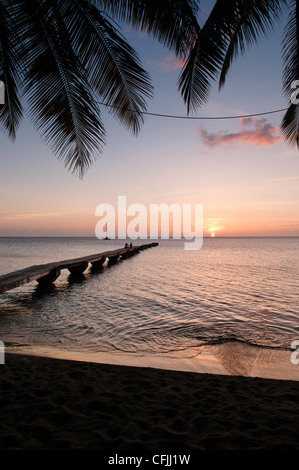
x,y
229,358
60,404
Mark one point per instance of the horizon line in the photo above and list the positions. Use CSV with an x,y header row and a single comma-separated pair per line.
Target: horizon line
x,y
148,238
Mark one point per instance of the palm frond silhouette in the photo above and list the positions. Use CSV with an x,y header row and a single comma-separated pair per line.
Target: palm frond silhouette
x,y
63,57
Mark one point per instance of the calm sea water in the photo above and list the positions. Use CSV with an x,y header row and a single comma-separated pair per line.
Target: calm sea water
x,y
163,300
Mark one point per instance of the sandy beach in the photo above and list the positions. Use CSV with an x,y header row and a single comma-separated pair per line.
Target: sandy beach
x,y
51,404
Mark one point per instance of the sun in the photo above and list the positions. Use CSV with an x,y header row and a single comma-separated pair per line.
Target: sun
x,y
212,234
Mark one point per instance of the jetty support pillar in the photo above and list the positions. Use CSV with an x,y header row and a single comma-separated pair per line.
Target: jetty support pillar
x,y
50,277
99,263
113,259
79,268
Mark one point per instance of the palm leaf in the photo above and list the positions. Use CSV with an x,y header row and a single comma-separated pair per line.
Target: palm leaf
x,y
112,66
290,52
172,22
231,26
59,97
290,49
66,51
248,23
290,125
11,111
203,62
195,78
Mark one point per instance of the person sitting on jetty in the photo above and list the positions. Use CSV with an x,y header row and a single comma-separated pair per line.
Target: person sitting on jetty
x,y
126,245
131,245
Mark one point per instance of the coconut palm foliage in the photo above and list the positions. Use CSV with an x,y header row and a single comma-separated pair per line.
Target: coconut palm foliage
x,y
290,123
60,58
231,27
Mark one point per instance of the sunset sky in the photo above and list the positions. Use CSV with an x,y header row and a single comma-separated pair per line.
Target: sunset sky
x,y
244,174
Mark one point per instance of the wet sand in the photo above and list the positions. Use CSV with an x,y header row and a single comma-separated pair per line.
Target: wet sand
x,y
51,404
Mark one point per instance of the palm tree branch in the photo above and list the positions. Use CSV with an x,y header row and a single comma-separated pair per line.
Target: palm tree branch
x,y
290,48
290,125
203,62
172,22
59,97
231,25
11,111
290,54
112,66
251,20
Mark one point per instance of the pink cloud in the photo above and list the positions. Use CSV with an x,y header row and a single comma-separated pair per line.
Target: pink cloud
x,y
254,131
170,63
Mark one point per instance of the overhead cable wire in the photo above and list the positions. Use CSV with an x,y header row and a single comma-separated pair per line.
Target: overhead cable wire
x,y
194,118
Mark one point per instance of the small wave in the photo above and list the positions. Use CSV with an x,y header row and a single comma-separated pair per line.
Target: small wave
x,y
232,339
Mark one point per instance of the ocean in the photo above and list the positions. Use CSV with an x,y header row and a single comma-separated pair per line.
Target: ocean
x,y
162,302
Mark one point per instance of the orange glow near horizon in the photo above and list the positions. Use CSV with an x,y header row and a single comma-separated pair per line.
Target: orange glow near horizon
x,y
82,222
218,221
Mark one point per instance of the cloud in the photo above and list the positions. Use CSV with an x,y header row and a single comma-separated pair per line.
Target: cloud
x,y
254,131
170,63
283,179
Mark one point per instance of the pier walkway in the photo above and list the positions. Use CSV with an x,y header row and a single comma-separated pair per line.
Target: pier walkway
x,y
47,273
